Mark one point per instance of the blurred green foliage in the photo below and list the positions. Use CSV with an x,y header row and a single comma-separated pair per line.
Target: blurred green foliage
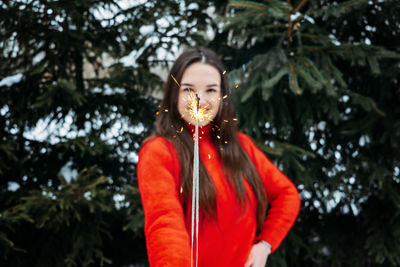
x,y
72,122
318,90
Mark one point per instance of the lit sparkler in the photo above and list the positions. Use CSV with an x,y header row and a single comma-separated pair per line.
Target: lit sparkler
x,y
195,189
196,112
199,115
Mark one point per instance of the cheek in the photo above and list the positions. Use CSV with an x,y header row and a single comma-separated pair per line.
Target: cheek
x,y
181,104
216,105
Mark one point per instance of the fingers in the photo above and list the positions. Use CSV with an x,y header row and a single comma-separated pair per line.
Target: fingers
x,y
250,260
249,263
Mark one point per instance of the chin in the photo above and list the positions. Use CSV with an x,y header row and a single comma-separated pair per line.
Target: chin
x,y
201,123
204,123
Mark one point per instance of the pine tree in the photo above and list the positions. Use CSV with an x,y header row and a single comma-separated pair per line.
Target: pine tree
x,y
318,88
75,101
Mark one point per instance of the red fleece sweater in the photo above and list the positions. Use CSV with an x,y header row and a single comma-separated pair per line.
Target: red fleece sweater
x,y
225,240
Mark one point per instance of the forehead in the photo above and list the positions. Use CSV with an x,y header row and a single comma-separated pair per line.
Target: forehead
x,y
201,73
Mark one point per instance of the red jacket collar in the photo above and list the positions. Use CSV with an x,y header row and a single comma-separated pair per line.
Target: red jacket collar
x,y
204,131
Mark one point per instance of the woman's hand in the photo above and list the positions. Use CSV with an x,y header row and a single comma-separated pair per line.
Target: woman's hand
x,y
258,256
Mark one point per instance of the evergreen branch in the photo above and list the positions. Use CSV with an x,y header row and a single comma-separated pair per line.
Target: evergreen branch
x,y
373,62
308,63
293,80
328,10
289,33
351,3
349,49
281,147
298,7
308,78
265,28
250,4
366,102
298,19
315,37
275,79
361,127
248,93
270,151
126,11
331,68
227,18
272,34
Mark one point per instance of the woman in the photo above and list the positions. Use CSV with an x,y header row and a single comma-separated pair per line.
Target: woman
x,y
236,179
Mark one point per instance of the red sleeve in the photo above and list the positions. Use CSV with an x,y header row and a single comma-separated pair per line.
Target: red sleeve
x,y
167,240
283,197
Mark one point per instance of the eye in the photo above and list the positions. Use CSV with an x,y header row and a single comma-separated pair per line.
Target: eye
x,y
188,90
211,90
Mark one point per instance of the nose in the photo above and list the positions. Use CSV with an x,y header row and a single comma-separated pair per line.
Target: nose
x,y
203,101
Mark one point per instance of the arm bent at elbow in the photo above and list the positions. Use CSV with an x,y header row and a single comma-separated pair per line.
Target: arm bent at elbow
x,y
283,197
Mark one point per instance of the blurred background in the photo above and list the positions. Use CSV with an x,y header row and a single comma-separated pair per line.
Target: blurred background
x,y
315,83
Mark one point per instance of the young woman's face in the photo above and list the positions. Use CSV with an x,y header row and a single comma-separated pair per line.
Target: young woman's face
x,y
205,81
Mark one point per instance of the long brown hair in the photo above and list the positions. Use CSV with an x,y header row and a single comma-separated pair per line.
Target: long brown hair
x,y
235,160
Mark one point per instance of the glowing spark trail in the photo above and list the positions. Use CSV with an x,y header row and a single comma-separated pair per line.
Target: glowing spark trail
x,y
197,113
175,80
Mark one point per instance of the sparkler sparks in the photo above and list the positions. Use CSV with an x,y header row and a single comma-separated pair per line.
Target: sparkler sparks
x,y
196,112
175,80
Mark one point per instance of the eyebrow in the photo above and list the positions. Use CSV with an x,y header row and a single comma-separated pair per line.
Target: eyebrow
x,y
187,84
191,85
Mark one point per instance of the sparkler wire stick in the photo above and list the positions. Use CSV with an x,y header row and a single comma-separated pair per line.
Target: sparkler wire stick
x,y
198,185
195,189
198,114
